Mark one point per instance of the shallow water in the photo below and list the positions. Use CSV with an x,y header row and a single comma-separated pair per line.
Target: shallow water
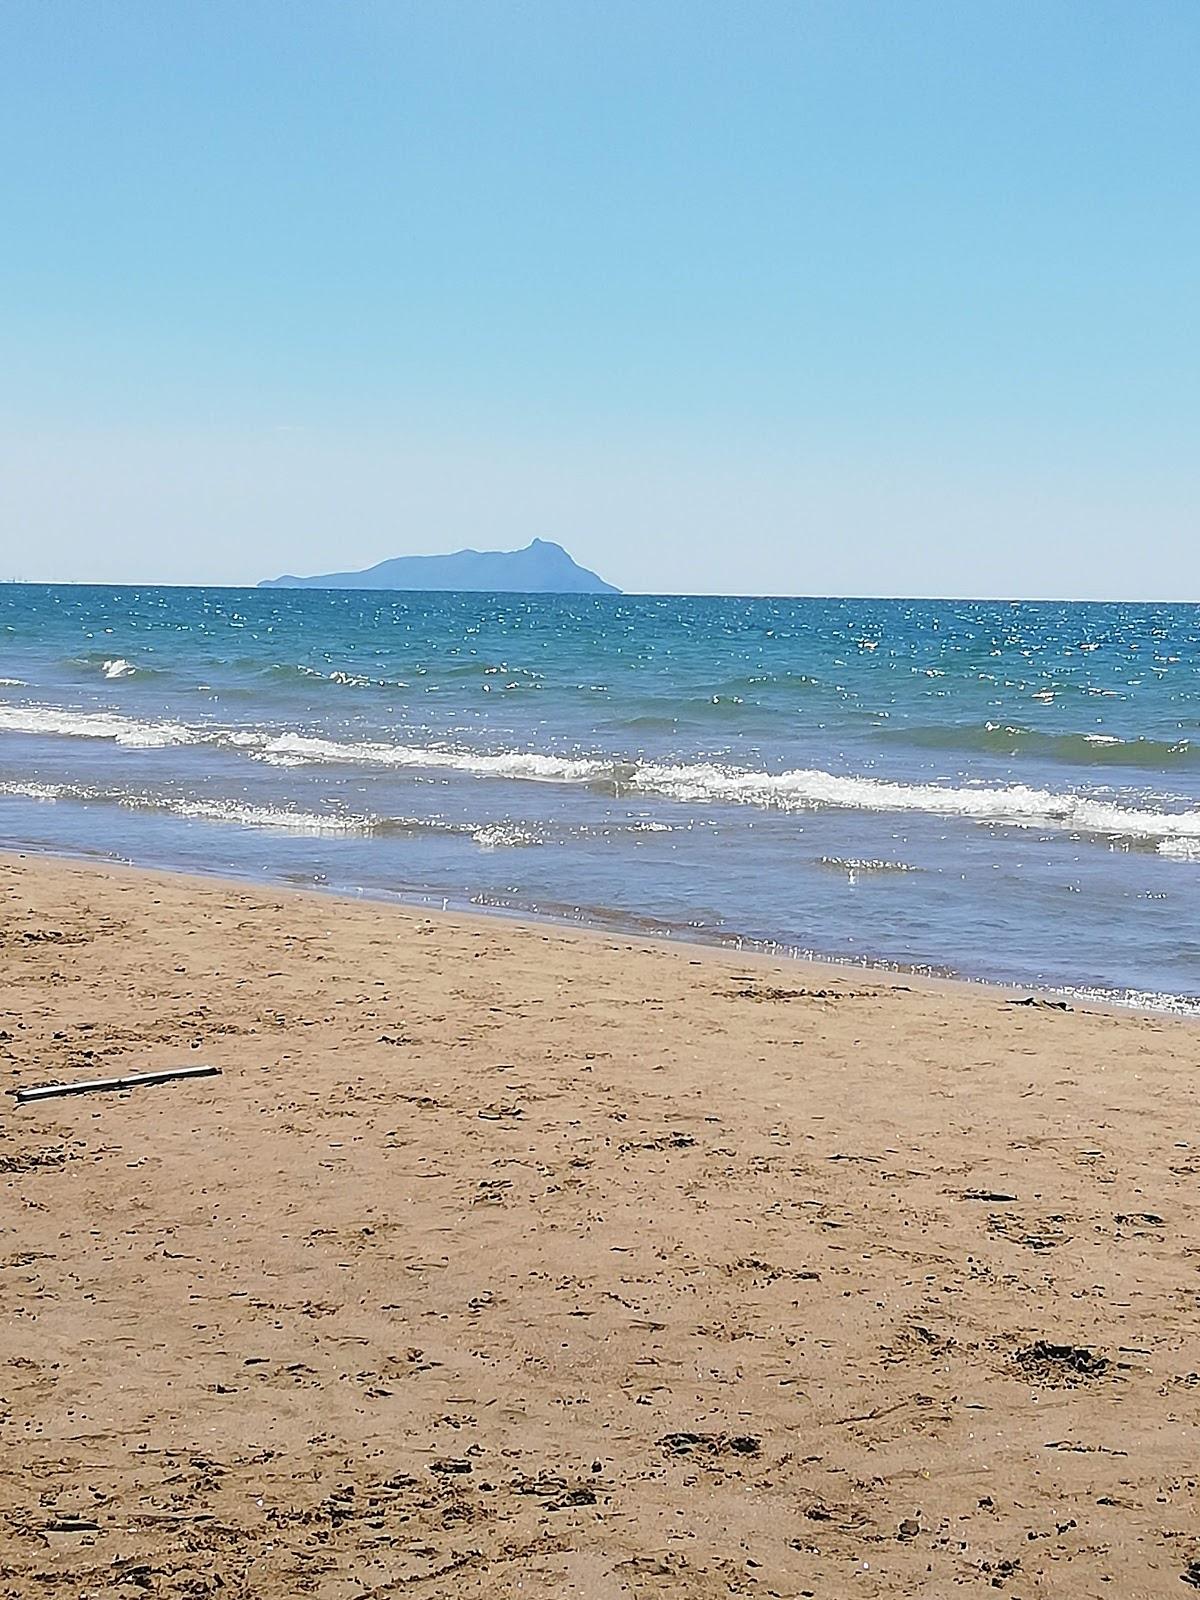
x,y
991,789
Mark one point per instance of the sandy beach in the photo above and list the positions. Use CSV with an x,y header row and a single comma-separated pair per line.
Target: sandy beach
x,y
509,1259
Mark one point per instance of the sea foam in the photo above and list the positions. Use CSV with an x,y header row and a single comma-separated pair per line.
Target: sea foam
x,y
802,789
686,783
230,811
1181,849
808,788
293,749
282,819
49,720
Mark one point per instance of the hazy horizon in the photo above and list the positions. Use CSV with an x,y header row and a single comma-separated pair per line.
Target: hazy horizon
x,y
626,594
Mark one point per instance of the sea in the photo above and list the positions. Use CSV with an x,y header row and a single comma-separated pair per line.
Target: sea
x,y
989,790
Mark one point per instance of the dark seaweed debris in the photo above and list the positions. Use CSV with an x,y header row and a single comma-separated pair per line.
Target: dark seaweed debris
x,y
1060,1363
712,1444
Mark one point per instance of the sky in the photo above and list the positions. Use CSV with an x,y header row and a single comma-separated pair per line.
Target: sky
x,y
814,297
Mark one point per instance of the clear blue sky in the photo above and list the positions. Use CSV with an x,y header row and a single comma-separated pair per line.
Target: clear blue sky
x,y
809,297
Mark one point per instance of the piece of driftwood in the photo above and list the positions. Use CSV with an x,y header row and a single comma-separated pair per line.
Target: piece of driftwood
x,y
132,1080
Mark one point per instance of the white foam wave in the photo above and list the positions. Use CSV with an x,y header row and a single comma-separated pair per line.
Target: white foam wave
x,y
294,749
276,818
94,725
857,864
1181,849
800,790
503,836
12,683
39,791
488,836
119,668
691,783
807,789
233,811
349,680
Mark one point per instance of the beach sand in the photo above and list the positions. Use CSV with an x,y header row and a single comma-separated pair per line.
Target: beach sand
x,y
510,1259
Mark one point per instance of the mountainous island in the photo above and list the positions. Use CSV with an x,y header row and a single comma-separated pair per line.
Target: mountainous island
x,y
542,567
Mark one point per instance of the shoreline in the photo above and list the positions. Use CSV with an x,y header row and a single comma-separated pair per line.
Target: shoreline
x,y
1118,1002
824,782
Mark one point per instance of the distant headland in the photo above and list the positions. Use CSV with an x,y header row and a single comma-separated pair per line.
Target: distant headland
x,y
542,567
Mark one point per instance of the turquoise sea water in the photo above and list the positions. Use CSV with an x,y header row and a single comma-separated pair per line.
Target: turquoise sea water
x,y
990,789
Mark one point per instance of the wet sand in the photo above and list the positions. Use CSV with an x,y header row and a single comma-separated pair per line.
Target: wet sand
x,y
512,1260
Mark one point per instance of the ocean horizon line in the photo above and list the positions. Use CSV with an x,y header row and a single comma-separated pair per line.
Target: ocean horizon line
x,y
613,599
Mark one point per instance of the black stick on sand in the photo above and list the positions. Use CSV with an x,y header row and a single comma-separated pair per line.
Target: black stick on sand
x,y
135,1080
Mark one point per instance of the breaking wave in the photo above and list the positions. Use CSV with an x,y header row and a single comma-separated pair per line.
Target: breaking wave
x,y
1181,849
128,731
806,789
488,836
855,865
295,749
285,673
690,783
247,816
112,667
504,836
